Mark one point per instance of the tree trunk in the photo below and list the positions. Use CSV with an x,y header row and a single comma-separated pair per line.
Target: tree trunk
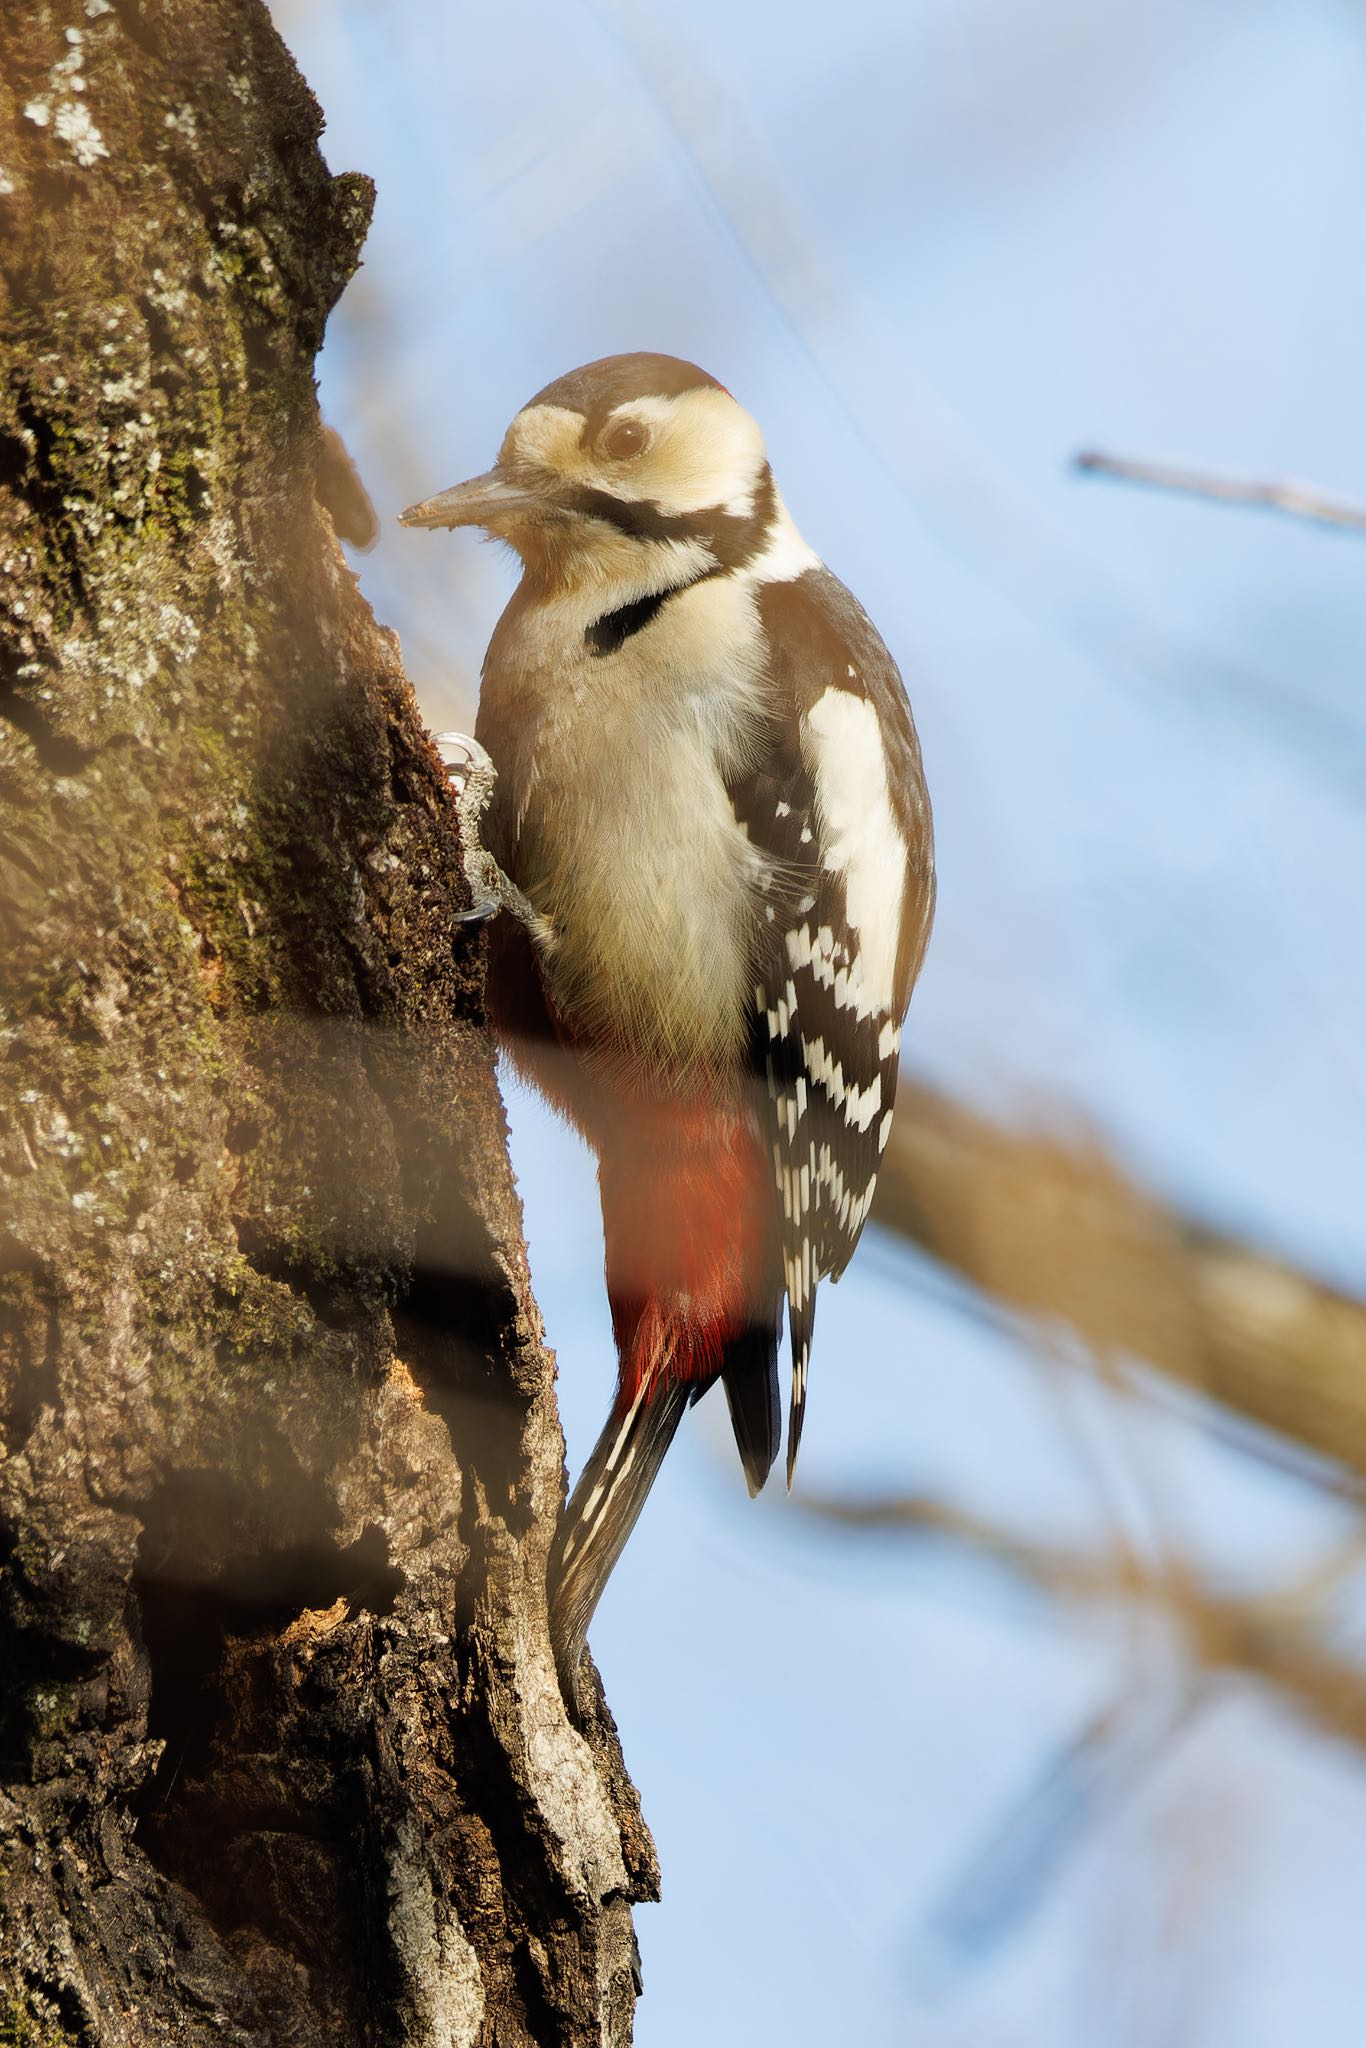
x,y
282,1754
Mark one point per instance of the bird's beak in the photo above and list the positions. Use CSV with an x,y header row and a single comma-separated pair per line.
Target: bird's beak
x,y
490,501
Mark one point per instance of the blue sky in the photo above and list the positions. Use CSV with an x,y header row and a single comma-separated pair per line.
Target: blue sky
x,y
937,247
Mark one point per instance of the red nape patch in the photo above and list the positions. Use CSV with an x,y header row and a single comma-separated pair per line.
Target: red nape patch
x,y
692,1254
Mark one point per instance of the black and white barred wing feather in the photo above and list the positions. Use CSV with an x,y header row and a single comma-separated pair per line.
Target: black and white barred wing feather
x,y
839,815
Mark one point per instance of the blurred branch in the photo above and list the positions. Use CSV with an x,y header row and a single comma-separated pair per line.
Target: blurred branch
x,y
1084,1780
342,494
1267,1635
1295,500
1275,1637
1053,1229
1080,1574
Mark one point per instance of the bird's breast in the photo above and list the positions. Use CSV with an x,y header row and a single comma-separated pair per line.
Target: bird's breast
x,y
626,839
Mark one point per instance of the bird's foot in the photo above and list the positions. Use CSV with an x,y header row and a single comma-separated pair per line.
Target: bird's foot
x,y
471,775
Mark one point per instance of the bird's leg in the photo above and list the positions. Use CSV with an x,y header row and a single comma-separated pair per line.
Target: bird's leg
x,y
471,775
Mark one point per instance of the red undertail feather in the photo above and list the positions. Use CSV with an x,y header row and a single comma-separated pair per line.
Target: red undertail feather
x,y
695,1284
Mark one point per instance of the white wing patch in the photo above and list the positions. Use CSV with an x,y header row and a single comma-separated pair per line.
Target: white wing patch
x,y
861,842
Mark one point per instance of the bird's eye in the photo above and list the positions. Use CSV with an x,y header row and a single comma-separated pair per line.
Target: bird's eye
x,y
624,439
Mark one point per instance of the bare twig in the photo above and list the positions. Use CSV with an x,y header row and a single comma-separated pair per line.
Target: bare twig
x,y
1295,500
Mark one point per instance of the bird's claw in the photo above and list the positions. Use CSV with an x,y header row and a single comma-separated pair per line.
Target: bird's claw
x,y
471,775
469,771
478,913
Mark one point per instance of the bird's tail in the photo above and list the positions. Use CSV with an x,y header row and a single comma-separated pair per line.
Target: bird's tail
x,y
749,1373
604,1506
693,1279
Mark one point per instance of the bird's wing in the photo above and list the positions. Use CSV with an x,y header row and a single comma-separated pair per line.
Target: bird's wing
x,y
839,817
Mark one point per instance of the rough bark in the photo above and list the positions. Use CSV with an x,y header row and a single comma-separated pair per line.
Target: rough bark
x,y
282,1755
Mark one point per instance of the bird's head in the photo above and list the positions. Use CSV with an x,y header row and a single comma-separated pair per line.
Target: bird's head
x,y
636,470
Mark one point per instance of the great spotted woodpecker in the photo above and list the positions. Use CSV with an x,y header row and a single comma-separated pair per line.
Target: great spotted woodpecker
x,y
700,795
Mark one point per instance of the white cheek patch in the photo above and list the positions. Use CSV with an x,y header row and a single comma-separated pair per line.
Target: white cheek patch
x,y
706,451
861,842
786,555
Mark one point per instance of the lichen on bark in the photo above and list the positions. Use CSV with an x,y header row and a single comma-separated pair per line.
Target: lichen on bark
x,y
282,1756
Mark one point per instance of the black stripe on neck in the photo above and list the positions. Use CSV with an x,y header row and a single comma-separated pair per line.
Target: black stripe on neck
x,y
613,629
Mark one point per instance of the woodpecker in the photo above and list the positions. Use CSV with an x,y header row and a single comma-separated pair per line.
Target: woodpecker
x,y
696,787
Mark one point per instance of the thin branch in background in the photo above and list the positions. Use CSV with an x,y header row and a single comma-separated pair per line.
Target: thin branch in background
x,y
1281,1638
915,435
1294,500
1057,1571
1080,1784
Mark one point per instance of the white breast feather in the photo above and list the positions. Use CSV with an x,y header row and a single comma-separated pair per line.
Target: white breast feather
x,y
642,867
